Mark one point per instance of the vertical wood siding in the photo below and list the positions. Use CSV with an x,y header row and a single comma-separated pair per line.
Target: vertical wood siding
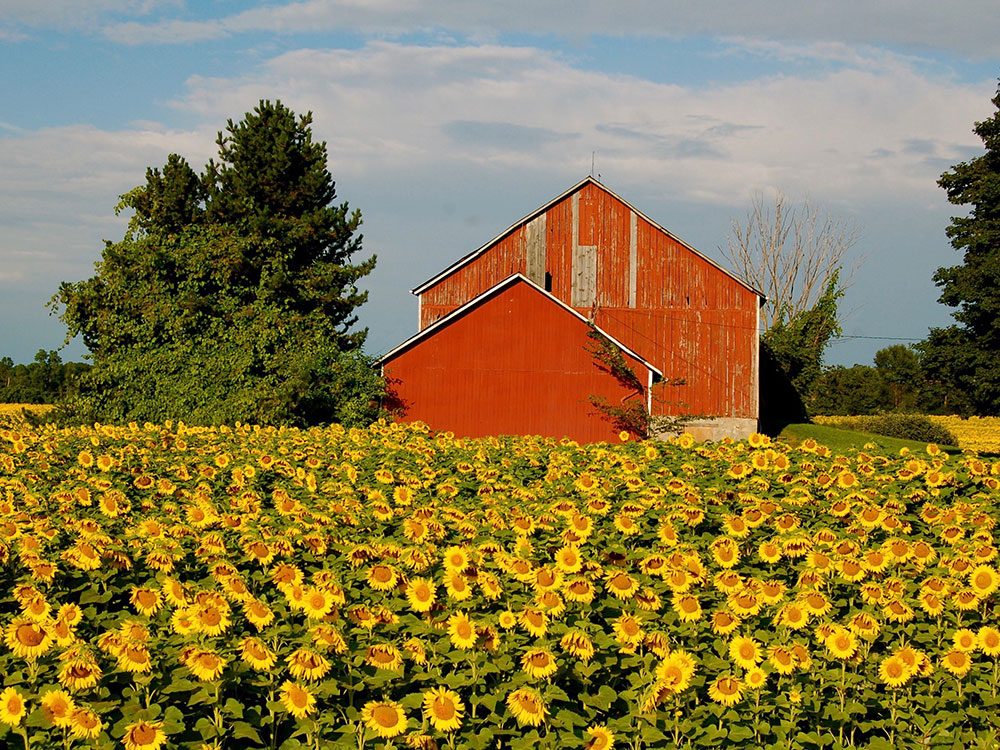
x,y
515,363
673,307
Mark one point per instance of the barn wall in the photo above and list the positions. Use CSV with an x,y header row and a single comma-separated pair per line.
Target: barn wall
x,y
672,306
516,363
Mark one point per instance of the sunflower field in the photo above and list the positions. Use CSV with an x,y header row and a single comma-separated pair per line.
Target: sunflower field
x,y
169,586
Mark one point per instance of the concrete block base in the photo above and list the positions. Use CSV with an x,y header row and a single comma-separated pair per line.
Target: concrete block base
x,y
718,428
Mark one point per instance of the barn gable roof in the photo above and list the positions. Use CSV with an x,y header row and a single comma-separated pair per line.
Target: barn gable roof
x,y
510,281
418,290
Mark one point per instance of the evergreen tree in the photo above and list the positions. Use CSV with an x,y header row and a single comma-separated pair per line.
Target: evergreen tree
x,y
967,355
232,295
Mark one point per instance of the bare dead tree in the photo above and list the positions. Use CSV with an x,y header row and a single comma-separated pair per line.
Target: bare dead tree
x,y
790,252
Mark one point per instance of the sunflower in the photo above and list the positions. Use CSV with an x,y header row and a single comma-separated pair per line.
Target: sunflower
x,y
385,718
579,590
769,552
675,672
145,600
316,603
726,552
782,659
964,639
174,592
144,735
539,663
534,621
297,699
26,638
727,690
461,631
135,658
989,640
384,656
745,652
842,643
84,724
793,616
255,653
600,738
527,706
816,604
984,580
893,671
931,603
258,614
306,664
898,611
724,622
755,678
457,586
383,577
415,650
578,645
12,707
957,662
628,630
443,709
621,585
687,607
966,599
456,558
79,673
212,617
58,707
744,603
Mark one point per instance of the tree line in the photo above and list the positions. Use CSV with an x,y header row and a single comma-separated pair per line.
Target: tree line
x,y
46,380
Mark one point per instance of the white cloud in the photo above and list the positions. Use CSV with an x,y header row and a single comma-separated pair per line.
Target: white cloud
x,y
72,14
845,135
59,190
968,27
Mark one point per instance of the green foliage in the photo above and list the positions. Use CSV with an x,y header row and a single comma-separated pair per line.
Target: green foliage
x,y
967,354
791,355
232,295
631,416
44,381
847,390
904,426
895,383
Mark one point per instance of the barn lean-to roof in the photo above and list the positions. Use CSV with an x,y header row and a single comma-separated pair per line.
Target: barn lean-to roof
x,y
509,281
542,209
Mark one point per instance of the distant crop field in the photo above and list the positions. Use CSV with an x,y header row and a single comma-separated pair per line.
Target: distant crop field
x,y
974,433
170,586
14,413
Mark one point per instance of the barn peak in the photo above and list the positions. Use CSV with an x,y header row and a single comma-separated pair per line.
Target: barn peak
x,y
541,210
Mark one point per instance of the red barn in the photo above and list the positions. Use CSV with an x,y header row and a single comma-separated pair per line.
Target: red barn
x,y
502,341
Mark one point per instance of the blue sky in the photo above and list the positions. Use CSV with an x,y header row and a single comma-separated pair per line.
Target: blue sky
x,y
448,121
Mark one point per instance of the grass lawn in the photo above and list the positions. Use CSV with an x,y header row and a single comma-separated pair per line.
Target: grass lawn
x,y
843,440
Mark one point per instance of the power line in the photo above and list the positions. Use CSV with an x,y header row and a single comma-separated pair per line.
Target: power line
x,y
876,338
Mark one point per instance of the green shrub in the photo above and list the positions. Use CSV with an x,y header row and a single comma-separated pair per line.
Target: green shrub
x,y
905,426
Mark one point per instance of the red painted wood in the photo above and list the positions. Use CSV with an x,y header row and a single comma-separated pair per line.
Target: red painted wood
x,y
515,363
691,320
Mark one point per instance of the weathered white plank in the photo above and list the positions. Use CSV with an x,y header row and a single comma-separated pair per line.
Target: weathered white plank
x,y
633,257
535,248
583,290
